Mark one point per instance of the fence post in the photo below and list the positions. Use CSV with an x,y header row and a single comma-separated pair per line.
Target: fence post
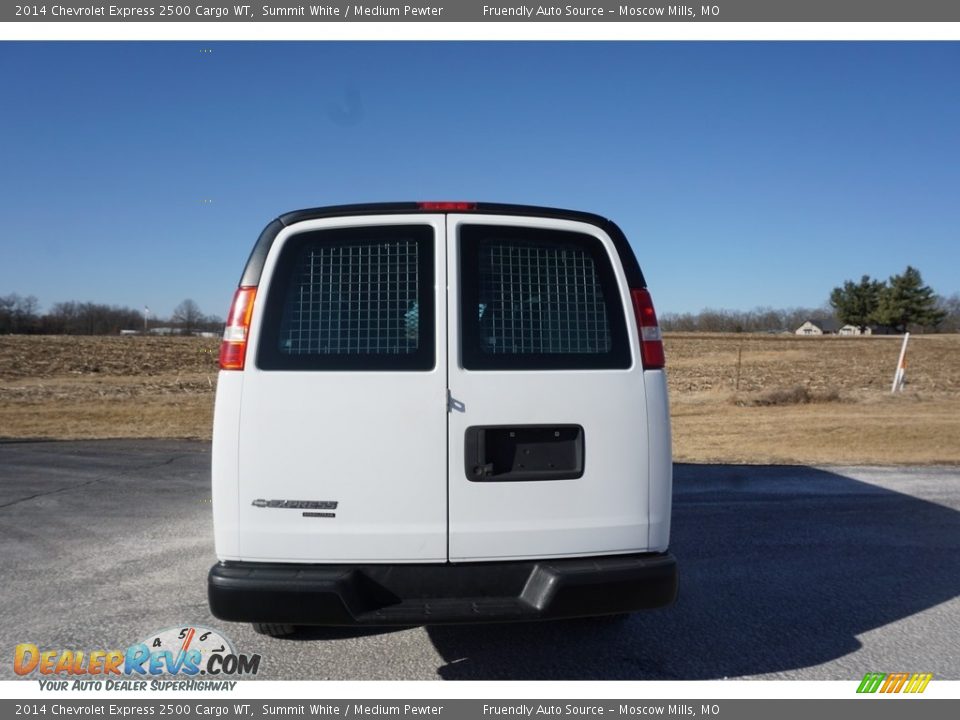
x,y
900,375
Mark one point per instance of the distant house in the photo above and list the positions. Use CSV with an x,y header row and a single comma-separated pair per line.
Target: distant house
x,y
832,327
854,330
819,327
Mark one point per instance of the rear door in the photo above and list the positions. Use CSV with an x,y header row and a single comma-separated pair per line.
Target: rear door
x,y
548,438
342,430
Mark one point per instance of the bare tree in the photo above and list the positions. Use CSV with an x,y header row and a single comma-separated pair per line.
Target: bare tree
x,y
950,307
19,314
212,323
188,316
761,319
87,318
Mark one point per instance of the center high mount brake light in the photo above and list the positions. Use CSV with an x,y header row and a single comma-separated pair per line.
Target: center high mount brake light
x,y
447,206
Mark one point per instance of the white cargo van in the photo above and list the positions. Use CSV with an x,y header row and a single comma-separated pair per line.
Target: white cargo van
x,y
440,412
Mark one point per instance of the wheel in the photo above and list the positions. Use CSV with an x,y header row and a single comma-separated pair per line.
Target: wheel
x,y
277,630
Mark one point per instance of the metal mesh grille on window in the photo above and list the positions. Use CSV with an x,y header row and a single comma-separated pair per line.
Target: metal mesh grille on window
x,y
541,299
353,299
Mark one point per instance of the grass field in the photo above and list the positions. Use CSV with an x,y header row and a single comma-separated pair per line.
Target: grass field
x,y
800,400
814,400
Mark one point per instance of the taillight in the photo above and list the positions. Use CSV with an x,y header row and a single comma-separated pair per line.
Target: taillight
x,y
233,349
447,206
651,341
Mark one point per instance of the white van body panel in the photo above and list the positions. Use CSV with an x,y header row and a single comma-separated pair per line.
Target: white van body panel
x,y
370,441
388,446
224,472
660,472
603,512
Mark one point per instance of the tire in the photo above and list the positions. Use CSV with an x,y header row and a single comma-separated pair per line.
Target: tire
x,y
276,630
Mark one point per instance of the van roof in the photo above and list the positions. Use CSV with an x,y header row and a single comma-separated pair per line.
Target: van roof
x,y
254,266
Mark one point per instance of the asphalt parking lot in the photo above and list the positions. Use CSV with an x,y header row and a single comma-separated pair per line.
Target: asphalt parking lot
x,y
787,572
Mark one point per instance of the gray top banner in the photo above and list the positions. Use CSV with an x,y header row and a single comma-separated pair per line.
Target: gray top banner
x,y
490,11
227,708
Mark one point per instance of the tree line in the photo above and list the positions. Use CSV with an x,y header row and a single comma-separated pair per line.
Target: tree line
x,y
22,315
901,303
761,319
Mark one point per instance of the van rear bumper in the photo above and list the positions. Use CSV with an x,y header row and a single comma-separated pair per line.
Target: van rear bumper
x,y
440,593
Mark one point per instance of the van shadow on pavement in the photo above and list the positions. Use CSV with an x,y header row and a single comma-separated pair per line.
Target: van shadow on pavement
x,y
781,567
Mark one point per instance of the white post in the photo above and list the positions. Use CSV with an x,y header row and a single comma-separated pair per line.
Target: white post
x,y
900,375
146,312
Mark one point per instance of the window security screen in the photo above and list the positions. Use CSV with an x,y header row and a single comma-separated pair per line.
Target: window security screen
x,y
541,299
352,299
538,299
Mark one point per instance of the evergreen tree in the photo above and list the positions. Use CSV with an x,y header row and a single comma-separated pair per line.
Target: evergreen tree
x,y
857,303
907,301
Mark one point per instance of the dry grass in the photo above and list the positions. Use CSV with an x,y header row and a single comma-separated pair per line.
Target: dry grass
x,y
802,400
813,400
796,395
99,387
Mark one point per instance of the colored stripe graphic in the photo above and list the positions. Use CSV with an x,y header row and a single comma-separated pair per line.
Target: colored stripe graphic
x,y
894,682
918,683
871,682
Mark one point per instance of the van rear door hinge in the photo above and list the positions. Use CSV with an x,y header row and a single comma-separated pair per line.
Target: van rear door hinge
x,y
454,405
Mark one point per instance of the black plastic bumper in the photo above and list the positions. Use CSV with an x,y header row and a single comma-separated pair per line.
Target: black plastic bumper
x,y
440,593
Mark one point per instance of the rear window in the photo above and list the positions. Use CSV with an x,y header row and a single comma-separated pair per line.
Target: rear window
x,y
538,299
352,299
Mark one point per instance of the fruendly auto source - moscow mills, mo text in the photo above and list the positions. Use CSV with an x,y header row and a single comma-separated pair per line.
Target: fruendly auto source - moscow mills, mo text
x,y
614,11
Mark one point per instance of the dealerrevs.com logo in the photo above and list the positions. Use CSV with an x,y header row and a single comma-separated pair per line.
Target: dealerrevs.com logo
x,y
187,652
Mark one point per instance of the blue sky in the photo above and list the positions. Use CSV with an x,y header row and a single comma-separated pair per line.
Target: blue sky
x,y
744,174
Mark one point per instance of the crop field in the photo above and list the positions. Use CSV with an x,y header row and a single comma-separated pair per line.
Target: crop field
x,y
71,387
792,400
814,400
